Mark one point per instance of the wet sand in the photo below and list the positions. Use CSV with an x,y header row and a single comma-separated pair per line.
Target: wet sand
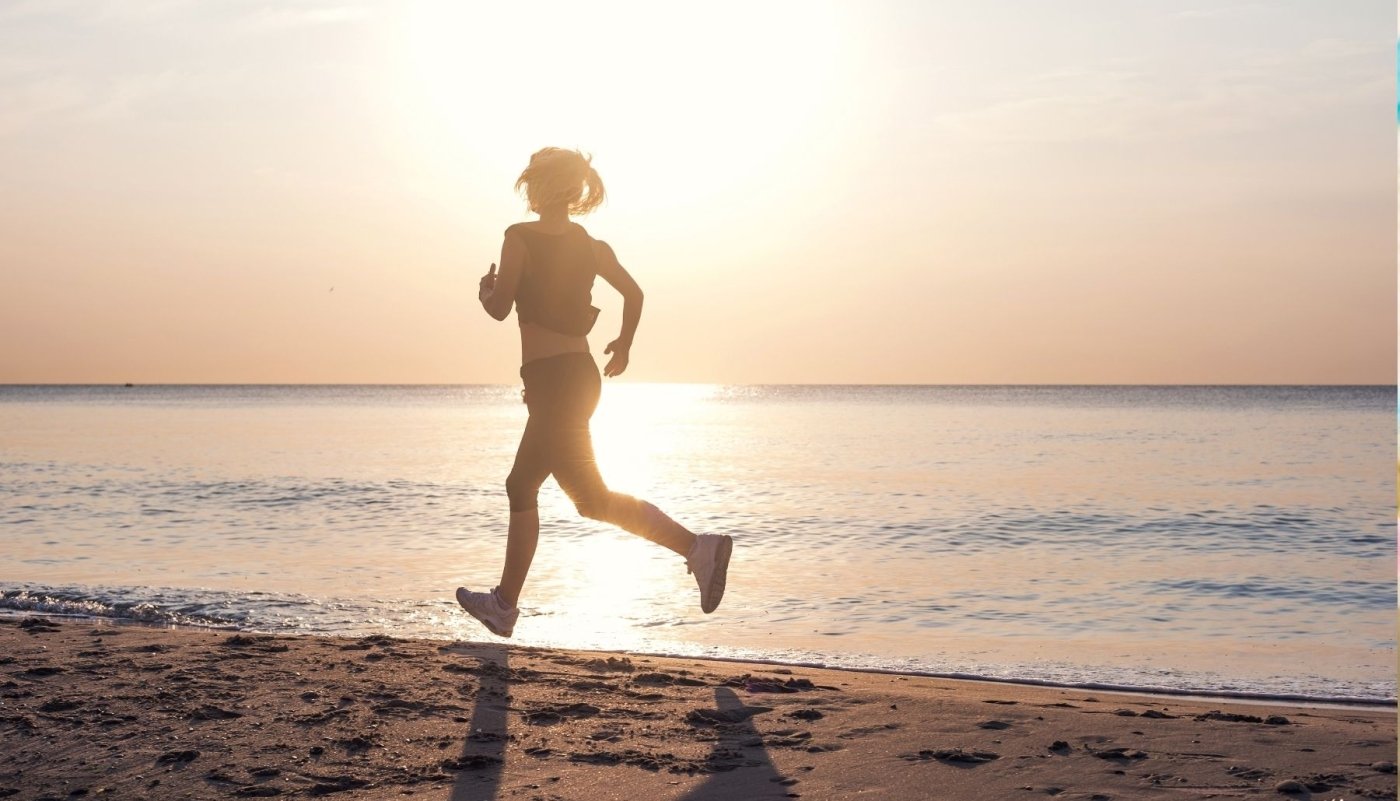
x,y
101,711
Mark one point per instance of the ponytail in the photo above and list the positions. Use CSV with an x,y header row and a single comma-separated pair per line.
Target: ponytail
x,y
593,196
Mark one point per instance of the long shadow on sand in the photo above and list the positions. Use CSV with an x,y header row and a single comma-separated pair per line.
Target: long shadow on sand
x,y
739,763
743,767
483,756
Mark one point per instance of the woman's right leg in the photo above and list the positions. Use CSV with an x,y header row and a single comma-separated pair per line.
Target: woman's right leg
x,y
523,536
528,473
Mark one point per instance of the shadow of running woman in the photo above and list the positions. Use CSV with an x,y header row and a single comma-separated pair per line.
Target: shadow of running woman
x,y
740,764
482,762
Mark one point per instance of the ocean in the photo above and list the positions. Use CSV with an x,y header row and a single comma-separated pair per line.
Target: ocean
x,y
1227,540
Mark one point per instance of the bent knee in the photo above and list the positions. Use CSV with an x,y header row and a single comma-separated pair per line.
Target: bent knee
x,y
594,507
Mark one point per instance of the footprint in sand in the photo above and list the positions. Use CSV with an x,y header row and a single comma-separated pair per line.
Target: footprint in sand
x,y
955,756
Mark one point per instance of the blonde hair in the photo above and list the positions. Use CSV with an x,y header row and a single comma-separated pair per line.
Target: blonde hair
x,y
556,175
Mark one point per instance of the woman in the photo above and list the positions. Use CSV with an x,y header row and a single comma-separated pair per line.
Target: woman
x,y
547,271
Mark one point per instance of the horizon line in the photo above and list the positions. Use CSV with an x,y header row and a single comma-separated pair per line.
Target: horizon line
x,y
134,385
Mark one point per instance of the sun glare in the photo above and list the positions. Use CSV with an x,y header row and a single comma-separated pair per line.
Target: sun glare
x,y
635,430
710,96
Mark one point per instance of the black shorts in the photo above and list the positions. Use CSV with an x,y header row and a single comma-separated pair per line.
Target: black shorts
x,y
561,392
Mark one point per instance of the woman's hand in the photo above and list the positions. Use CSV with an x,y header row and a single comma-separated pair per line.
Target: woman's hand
x,y
618,363
488,284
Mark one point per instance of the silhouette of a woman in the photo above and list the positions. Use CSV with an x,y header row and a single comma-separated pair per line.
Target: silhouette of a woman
x,y
546,274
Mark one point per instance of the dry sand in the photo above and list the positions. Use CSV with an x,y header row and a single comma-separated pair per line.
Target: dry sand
x,y
89,711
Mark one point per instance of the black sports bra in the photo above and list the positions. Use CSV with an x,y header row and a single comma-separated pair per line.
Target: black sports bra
x,y
556,289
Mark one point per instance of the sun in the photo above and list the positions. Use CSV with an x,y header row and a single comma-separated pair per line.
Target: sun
x,y
698,97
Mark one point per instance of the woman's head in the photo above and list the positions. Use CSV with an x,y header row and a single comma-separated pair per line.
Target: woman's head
x,y
557,176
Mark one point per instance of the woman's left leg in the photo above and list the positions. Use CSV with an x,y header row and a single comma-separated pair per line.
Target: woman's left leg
x,y
576,470
577,474
707,557
573,466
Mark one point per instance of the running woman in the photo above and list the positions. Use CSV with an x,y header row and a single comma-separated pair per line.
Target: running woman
x,y
546,274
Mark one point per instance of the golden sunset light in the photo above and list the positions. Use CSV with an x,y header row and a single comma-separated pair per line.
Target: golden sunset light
x,y
909,400
307,191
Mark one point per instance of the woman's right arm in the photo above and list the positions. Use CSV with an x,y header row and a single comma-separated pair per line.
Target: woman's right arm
x,y
497,294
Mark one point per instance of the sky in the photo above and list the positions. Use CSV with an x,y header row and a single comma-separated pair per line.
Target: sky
x,y
928,191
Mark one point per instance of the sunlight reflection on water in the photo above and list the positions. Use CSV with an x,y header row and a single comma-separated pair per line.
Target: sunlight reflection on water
x,y
1193,534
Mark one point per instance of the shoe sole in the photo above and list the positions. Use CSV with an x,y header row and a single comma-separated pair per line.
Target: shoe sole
x,y
494,630
720,576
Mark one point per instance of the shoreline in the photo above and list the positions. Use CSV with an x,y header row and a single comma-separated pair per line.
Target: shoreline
x,y
1234,697
121,710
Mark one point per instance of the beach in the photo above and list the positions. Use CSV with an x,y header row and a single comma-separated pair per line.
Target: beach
x,y
97,710
1012,415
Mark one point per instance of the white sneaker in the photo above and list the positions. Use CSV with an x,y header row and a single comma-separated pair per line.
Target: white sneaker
x,y
490,610
709,561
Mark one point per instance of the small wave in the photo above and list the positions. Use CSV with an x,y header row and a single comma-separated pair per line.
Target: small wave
x,y
1360,594
77,605
1135,683
1226,531
288,613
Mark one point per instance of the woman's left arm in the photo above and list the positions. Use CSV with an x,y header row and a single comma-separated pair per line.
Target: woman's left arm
x,y
610,270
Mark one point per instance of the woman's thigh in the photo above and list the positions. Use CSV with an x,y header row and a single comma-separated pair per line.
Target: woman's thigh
x,y
575,468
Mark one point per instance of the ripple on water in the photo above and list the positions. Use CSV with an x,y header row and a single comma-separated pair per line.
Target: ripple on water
x,y
1193,515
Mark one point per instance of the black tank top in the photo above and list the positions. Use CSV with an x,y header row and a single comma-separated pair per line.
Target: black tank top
x,y
556,289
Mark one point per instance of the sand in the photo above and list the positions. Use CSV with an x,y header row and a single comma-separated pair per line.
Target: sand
x,y
103,711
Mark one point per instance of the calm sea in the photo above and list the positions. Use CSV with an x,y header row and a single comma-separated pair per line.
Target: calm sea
x,y
1220,539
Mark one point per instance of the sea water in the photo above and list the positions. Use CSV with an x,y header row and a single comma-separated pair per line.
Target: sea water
x,y
1236,540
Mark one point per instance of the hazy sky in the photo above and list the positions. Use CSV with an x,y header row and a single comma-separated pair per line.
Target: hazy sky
x,y
1083,191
